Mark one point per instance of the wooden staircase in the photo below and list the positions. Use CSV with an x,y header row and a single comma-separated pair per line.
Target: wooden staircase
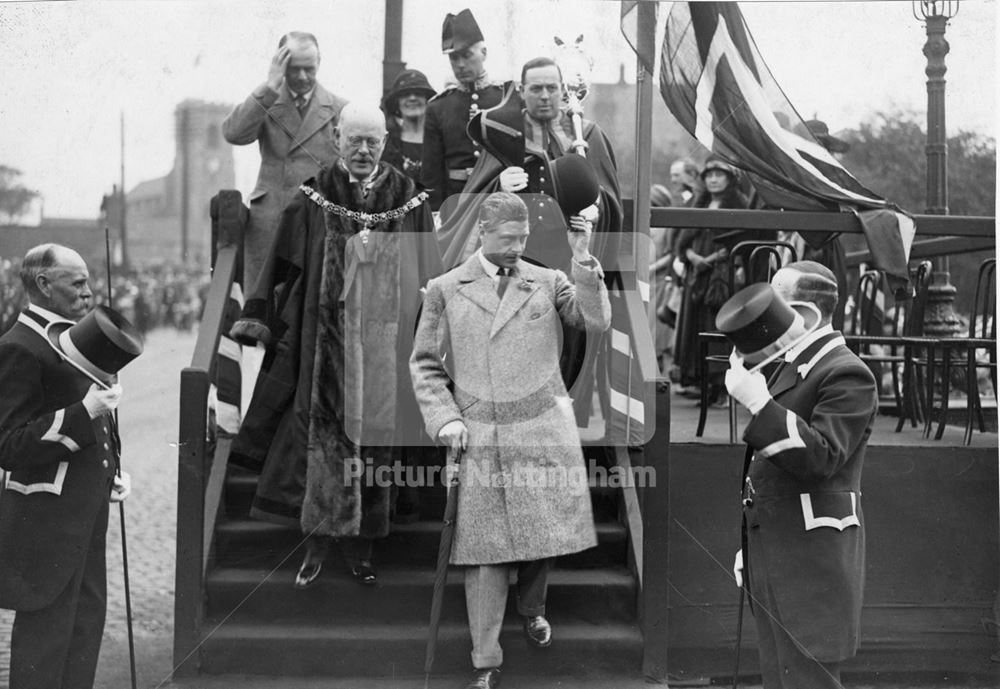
x,y
257,623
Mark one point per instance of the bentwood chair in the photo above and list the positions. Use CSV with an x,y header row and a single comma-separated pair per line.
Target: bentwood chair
x,y
982,337
760,260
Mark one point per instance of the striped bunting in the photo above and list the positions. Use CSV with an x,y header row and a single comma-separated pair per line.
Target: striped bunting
x,y
228,375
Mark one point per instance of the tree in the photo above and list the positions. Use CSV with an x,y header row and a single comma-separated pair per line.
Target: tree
x,y
887,155
15,199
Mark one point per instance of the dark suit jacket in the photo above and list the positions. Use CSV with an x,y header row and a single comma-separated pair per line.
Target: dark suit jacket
x,y
60,465
808,448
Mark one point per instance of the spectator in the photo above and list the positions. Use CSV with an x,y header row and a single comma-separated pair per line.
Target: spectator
x,y
405,106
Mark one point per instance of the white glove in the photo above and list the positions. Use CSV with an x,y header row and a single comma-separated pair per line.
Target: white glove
x,y
749,389
99,401
121,488
455,435
513,179
738,568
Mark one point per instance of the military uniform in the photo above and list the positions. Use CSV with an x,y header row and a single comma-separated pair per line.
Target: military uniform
x,y
449,154
53,511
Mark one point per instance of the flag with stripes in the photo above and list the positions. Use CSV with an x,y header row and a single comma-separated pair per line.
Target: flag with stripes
x,y
628,341
714,81
228,368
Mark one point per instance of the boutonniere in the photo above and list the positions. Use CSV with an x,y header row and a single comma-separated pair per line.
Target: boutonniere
x,y
524,284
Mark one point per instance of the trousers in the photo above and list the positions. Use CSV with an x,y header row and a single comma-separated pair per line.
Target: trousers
x,y
57,646
486,600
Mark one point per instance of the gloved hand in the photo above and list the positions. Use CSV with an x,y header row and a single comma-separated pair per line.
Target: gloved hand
x,y
738,568
99,401
121,488
513,179
749,389
455,435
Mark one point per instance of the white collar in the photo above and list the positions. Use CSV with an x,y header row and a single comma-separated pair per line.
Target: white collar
x,y
307,95
49,315
366,182
491,268
795,352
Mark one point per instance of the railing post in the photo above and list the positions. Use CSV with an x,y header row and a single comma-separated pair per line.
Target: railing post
x,y
189,583
655,595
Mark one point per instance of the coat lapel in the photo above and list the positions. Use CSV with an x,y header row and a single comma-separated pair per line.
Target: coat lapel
x,y
792,372
321,110
476,285
518,292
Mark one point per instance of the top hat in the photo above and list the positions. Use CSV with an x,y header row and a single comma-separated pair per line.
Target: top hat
x,y
714,162
761,325
821,132
99,345
500,129
407,81
459,31
574,183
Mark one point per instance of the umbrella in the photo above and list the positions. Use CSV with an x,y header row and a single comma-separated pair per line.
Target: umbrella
x,y
444,554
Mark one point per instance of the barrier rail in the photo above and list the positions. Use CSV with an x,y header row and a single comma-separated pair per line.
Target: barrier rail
x,y
200,472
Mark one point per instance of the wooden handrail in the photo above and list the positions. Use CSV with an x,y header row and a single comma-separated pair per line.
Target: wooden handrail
x,y
200,475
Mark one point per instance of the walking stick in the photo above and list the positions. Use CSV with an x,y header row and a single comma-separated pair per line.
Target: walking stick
x,y
739,637
441,573
121,505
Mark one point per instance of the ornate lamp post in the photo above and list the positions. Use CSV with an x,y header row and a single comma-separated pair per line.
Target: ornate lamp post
x,y
940,317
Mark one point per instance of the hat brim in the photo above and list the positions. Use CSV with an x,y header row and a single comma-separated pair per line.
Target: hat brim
x,y
807,319
59,339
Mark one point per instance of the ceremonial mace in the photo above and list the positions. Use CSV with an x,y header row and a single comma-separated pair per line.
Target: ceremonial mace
x,y
576,67
121,505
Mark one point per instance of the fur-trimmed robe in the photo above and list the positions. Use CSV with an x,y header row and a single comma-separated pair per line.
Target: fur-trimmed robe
x,y
340,317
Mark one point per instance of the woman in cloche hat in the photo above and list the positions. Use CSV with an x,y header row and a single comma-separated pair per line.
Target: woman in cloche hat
x,y
404,106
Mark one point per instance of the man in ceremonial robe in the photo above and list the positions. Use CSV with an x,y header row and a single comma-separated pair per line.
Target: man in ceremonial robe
x,y
535,115
337,305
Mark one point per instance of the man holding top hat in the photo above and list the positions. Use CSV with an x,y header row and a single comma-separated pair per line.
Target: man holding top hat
x,y
803,554
449,154
59,450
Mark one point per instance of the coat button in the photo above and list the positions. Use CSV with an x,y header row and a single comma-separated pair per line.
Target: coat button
x,y
105,463
475,96
105,446
542,180
540,217
475,153
748,502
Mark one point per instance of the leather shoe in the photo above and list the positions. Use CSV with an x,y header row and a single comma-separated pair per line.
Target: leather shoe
x,y
364,574
308,572
538,631
487,678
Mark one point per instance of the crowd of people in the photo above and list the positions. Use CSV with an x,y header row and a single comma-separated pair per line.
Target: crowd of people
x,y
397,315
159,295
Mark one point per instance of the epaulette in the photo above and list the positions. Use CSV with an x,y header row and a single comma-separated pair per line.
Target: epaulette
x,y
443,93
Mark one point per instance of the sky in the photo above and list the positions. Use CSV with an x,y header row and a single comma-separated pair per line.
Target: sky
x,y
70,70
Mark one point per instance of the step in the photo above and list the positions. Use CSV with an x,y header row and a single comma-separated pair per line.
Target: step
x,y
402,595
249,542
394,650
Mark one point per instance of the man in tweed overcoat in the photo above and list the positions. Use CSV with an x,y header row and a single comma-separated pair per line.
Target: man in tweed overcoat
x,y
485,370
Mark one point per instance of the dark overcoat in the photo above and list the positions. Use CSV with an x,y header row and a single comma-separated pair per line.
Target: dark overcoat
x,y
340,315
494,364
804,527
60,463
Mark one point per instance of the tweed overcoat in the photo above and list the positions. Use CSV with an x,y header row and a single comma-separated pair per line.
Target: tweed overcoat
x,y
60,464
494,363
804,527
293,148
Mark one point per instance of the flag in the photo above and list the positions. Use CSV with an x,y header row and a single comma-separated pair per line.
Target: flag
x,y
629,26
627,393
228,368
714,81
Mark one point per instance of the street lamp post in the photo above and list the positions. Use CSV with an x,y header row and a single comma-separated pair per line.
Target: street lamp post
x,y
940,319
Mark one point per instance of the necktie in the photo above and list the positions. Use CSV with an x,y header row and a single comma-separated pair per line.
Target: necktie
x,y
503,282
300,103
